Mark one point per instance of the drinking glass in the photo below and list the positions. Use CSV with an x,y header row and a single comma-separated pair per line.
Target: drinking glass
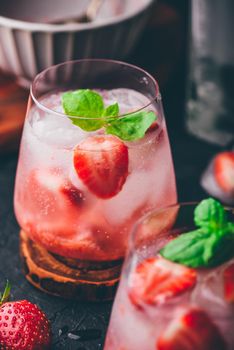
x,y
146,315
84,222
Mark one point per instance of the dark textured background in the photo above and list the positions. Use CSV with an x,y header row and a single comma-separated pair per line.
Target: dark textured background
x,y
162,51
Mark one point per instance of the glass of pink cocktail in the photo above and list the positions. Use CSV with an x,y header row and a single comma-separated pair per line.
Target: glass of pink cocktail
x,y
176,290
94,157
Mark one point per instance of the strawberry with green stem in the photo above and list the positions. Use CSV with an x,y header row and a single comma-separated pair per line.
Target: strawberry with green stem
x,y
23,326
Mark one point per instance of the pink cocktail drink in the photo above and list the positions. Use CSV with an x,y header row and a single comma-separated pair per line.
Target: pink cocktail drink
x,y
163,305
78,191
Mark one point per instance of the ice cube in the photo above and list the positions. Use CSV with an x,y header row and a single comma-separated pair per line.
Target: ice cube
x,y
56,130
129,100
209,292
126,319
53,102
134,194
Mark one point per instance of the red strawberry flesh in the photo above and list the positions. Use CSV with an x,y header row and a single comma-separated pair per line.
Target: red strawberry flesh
x,y
23,326
101,162
73,194
229,283
156,280
154,126
224,171
191,330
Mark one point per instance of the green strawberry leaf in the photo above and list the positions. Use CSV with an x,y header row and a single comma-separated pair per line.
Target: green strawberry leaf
x,y
131,127
6,293
210,245
86,107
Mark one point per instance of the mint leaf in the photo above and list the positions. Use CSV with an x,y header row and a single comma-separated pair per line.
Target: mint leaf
x,y
83,103
223,250
131,127
111,111
187,249
210,245
199,249
87,106
210,214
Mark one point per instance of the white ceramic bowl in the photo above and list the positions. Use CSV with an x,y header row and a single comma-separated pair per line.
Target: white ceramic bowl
x,y
28,44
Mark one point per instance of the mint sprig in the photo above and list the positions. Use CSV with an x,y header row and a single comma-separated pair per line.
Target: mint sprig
x,y
210,214
211,244
86,104
86,109
111,111
131,127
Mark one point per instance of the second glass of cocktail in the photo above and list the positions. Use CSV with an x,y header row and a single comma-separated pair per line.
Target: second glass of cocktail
x,y
94,157
177,285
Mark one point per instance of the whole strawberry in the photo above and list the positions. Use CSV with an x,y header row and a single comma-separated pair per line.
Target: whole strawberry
x,y
23,326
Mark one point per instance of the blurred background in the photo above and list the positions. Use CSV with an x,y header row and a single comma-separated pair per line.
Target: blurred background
x,y
185,45
161,48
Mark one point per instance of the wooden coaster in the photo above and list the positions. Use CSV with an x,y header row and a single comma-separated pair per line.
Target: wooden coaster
x,y
63,277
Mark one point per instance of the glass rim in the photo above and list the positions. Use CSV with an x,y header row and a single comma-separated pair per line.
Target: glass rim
x,y
156,97
156,211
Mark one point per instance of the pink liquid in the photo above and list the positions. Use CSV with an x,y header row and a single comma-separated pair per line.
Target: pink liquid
x,y
58,211
133,327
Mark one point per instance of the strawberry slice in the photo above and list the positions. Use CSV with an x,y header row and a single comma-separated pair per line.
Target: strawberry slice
x,y
154,126
73,194
101,162
229,283
50,184
224,171
191,330
156,279
46,194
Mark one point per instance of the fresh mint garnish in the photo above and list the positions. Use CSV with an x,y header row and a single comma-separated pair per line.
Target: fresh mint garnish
x,y
111,111
131,127
210,214
86,109
87,105
211,244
